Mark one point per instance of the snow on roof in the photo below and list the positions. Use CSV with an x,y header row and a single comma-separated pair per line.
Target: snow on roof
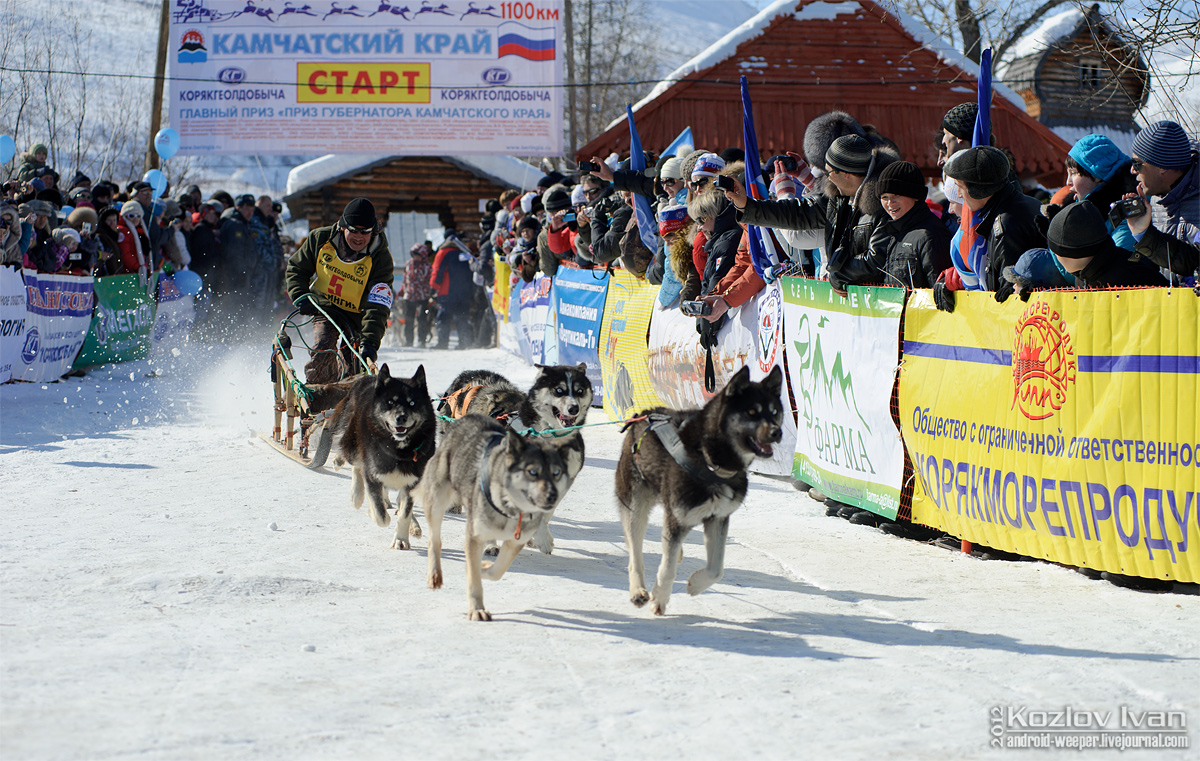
x,y
827,10
1046,34
505,170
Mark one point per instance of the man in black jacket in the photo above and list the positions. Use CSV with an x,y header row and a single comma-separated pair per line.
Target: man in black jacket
x,y
1007,217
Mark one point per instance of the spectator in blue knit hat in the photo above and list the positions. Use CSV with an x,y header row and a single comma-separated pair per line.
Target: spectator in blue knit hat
x,y
1098,171
1164,160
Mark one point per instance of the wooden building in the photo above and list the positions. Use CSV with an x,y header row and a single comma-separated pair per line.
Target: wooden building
x,y
807,57
449,188
1078,75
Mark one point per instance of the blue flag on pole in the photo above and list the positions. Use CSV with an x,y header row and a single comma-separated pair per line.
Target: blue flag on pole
x,y
682,145
983,120
647,226
763,254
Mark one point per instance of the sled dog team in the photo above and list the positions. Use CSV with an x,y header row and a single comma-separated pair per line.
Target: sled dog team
x,y
509,457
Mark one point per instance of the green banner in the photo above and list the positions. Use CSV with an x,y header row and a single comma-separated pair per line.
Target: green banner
x,y
121,324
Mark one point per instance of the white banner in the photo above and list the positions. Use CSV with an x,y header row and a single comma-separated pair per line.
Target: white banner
x,y
843,353
58,315
12,320
769,352
677,359
386,76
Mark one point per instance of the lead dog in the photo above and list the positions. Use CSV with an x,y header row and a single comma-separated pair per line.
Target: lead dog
x,y
385,428
693,463
508,486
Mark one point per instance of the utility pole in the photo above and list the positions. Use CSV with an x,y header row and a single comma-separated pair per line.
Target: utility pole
x,y
160,74
569,30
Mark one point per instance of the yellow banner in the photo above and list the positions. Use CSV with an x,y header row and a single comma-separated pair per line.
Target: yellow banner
x,y
1066,428
624,359
503,289
342,82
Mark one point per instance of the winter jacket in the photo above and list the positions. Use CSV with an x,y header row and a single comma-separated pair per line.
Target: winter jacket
x,y
28,168
1116,267
416,285
635,181
699,252
355,289
610,217
849,222
741,283
238,248
10,248
204,245
721,249
1110,191
635,256
562,244
1173,240
451,275
134,247
1009,223
911,251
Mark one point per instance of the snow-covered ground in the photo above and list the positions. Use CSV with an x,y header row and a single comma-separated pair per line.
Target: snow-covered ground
x,y
148,610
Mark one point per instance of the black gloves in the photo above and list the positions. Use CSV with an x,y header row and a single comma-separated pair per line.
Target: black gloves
x,y
1003,291
370,352
307,306
943,297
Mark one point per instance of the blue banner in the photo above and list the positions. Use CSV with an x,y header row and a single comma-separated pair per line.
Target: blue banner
x,y
534,308
579,306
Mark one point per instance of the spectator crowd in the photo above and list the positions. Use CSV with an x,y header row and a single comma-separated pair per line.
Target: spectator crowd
x,y
83,227
851,210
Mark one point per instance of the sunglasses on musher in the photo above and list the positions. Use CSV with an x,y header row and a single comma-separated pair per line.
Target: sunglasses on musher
x,y
360,230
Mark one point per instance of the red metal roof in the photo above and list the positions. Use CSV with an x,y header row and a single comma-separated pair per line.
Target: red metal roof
x,y
865,63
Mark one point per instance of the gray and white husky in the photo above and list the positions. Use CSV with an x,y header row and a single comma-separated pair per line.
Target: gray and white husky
x,y
508,486
693,463
551,409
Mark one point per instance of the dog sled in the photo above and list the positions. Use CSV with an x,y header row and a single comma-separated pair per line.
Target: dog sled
x,y
301,410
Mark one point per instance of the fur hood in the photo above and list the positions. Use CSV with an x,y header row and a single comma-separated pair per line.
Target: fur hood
x,y
866,199
823,130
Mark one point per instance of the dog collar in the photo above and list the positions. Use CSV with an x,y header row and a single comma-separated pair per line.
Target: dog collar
x,y
485,481
662,427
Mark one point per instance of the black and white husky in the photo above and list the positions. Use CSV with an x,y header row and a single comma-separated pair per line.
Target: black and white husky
x,y
385,428
693,463
508,486
551,409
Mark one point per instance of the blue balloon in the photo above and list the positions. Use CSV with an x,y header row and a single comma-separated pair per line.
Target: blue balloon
x,y
166,143
157,180
188,282
8,149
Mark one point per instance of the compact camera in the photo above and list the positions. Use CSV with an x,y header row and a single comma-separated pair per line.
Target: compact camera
x,y
696,308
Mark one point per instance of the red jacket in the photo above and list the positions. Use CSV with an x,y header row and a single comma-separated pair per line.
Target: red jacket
x,y
562,241
741,282
699,258
439,277
127,242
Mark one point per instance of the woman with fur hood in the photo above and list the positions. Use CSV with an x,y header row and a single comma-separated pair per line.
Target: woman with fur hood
x,y
133,240
10,235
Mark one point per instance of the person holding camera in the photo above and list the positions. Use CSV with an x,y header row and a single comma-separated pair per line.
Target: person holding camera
x,y
1166,165
10,235
610,215
346,270
1098,171
1078,235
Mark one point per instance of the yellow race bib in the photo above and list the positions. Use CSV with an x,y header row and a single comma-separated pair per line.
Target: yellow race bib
x,y
341,282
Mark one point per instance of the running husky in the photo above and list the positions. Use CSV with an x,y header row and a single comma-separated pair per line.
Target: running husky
x,y
693,463
385,428
509,486
552,409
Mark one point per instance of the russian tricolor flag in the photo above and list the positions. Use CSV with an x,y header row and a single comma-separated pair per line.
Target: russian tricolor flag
x,y
533,44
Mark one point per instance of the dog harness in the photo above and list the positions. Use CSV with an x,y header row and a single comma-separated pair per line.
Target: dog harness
x,y
461,399
485,481
663,428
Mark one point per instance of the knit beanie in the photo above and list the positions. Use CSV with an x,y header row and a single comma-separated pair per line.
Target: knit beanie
x,y
556,199
672,169
132,209
708,165
61,234
529,223
527,202
358,213
850,153
418,249
1164,145
578,197
960,120
1098,156
672,219
903,178
982,166
1078,231
550,178
39,148
732,154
